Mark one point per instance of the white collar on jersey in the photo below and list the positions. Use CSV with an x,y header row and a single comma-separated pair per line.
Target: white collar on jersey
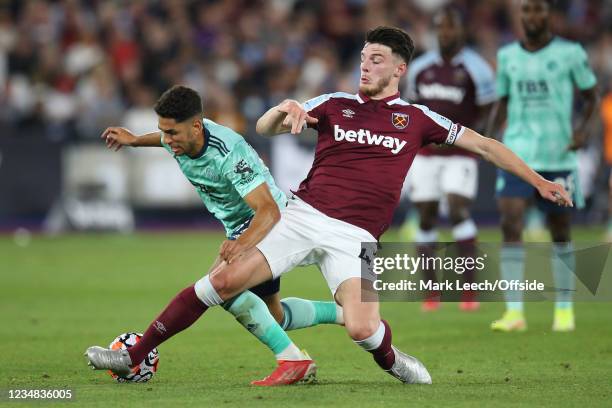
x,y
389,100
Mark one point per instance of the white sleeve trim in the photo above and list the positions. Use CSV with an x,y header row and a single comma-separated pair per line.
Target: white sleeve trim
x,y
455,130
314,102
443,121
321,99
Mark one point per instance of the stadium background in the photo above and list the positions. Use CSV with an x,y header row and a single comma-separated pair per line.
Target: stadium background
x,y
68,69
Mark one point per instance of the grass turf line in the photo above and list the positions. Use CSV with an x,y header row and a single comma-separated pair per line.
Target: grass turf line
x,y
60,295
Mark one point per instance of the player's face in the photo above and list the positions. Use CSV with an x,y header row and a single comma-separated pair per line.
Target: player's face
x,y
182,137
380,70
534,17
450,32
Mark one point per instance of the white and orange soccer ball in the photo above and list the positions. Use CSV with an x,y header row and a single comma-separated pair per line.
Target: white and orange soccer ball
x,y
141,373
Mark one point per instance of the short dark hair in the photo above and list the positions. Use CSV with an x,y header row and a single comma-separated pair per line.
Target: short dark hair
x,y
179,103
395,38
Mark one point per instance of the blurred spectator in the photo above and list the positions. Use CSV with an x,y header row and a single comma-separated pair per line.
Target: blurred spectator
x,y
140,118
606,116
99,101
74,66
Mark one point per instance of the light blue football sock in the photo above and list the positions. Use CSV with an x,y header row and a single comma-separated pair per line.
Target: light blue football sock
x,y
253,314
300,313
563,267
512,267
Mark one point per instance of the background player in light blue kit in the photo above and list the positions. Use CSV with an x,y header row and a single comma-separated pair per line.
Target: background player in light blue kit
x,y
536,79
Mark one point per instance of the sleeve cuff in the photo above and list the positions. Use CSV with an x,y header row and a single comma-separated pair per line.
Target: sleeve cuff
x,y
455,132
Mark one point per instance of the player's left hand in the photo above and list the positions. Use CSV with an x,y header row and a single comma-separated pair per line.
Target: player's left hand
x,y
231,250
555,192
579,140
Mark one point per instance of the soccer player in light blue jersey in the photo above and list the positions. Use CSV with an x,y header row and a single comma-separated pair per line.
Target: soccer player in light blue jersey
x,y
237,188
536,79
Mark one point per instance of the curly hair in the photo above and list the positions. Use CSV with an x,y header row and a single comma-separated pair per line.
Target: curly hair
x,y
179,103
395,38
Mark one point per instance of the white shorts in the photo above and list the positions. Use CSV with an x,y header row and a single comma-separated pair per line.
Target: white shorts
x,y
430,178
306,236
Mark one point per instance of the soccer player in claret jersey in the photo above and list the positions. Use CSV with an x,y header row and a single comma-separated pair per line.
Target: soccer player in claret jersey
x,y
365,146
458,83
238,189
536,79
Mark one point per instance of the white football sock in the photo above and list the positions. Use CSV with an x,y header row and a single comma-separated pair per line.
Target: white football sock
x,y
374,341
290,353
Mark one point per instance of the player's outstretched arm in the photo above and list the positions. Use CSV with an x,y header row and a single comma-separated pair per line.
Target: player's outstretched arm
x,y
498,154
266,216
117,137
288,116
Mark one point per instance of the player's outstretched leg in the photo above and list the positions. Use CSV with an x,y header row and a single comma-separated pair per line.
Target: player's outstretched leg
x,y
187,307
180,313
299,313
227,281
294,313
364,326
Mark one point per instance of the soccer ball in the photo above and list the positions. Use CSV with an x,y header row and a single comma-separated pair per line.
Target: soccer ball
x,y
141,373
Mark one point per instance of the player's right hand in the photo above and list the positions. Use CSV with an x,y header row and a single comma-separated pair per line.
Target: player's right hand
x,y
231,250
296,117
116,137
555,192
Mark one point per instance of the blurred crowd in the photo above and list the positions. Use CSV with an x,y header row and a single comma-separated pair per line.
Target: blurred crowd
x,y
75,67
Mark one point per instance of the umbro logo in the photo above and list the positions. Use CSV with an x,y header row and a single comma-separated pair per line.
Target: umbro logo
x,y
347,113
159,326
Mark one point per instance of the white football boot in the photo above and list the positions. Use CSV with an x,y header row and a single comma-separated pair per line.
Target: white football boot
x,y
408,369
100,358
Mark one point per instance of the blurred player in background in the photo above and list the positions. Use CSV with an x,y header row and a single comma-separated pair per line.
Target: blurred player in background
x,y
238,189
459,84
536,79
606,118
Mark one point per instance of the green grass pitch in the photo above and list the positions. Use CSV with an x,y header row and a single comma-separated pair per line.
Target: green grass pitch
x,y
60,295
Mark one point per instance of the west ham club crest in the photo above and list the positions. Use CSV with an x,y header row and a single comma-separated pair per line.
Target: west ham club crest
x,y
400,120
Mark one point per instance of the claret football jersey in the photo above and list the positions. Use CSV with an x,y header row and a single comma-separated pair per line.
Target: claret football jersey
x,y
364,150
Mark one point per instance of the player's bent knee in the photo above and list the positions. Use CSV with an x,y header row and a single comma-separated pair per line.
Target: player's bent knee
x,y
359,330
225,284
